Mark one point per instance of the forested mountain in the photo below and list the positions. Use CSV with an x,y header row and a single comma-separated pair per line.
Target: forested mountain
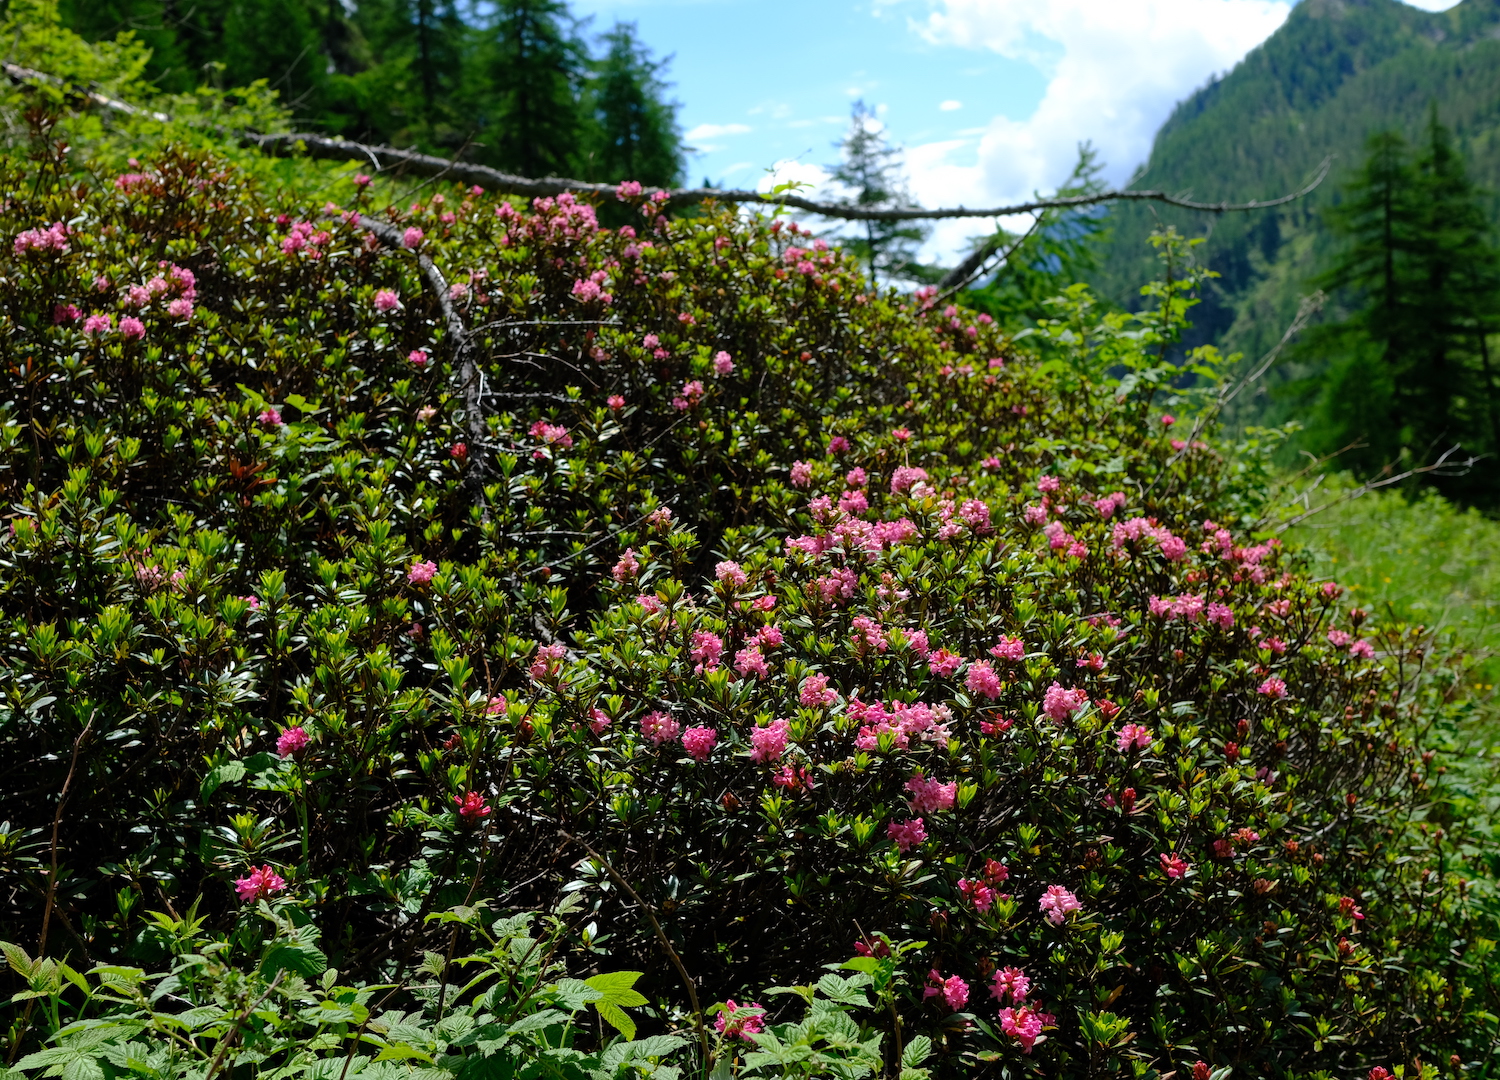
x,y
1335,74
517,84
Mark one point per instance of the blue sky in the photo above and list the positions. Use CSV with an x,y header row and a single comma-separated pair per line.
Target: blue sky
x,y
990,98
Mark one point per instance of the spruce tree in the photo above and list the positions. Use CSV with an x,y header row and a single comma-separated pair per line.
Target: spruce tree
x,y
634,128
528,101
870,169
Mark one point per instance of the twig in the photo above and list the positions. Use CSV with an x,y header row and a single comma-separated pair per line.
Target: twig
x,y
661,936
974,265
41,942
1442,467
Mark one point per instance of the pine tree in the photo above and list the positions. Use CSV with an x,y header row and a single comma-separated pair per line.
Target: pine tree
x,y
635,134
529,110
872,169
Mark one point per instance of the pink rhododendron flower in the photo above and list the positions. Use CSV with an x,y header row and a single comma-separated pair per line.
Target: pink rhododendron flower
x,y
730,573
472,808
1339,638
977,893
1107,506
750,661
1219,615
615,402
723,365
740,1021
976,515
259,884
270,417
930,796
916,641
952,990
801,474
706,651
459,452
95,325
1331,589
1011,649
1010,983
387,300
52,238
905,476
412,237
1062,705
907,834
793,778
1057,902
65,313
659,728
943,663
1132,735
552,434
627,567
768,637
291,742
1362,650
981,679
838,445
252,600
1023,1024
421,573
548,660
1272,688
1349,909
769,743
1048,484
699,742
496,705
418,358
692,393
628,189
1173,864
1168,420
599,721
815,692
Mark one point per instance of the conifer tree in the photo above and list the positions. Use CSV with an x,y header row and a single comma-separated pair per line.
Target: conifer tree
x,y
531,117
1411,375
635,134
871,170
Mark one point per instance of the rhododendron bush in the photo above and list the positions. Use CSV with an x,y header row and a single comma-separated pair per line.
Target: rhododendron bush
x,y
376,575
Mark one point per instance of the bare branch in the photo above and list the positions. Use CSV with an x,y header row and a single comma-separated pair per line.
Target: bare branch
x,y
384,158
974,264
388,158
1441,467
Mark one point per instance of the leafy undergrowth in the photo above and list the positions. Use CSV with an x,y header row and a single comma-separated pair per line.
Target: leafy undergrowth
x,y
452,638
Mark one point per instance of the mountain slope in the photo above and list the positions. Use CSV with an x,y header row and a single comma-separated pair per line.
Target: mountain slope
x,y
1336,72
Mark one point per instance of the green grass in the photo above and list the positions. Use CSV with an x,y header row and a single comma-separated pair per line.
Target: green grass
x,y
1426,562
1420,562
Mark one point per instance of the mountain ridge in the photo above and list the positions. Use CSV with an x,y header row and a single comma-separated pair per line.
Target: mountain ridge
x,y
1334,73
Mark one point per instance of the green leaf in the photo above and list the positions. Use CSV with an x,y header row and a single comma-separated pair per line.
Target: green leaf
x,y
227,773
916,1051
616,1018
617,987
403,1052
298,957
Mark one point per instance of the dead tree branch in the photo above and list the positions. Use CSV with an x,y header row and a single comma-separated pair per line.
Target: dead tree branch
x,y
389,158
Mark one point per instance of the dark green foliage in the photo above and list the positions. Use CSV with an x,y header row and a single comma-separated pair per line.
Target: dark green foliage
x,y
1406,372
512,84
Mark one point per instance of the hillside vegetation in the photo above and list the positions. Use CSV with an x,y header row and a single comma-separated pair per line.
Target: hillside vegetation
x,y
1337,72
447,637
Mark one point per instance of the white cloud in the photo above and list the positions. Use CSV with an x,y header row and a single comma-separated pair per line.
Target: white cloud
x,y
1115,68
950,106
715,131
